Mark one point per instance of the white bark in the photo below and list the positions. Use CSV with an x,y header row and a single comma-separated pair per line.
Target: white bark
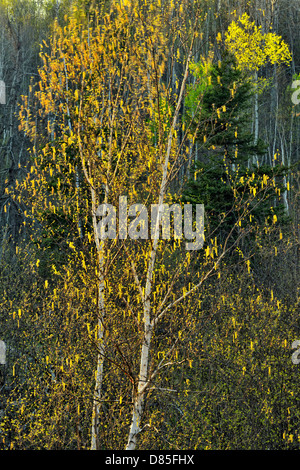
x,y
101,346
100,245
101,354
143,379
284,195
256,117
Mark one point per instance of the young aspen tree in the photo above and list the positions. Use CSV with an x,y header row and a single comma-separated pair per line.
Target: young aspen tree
x,y
253,50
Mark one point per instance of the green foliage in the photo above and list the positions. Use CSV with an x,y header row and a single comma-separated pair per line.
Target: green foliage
x,y
224,178
220,369
254,49
224,194
238,388
217,107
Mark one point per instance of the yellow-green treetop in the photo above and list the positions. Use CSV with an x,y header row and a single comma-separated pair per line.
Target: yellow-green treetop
x,y
254,49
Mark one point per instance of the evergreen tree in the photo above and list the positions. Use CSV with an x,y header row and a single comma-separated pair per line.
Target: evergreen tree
x,y
218,106
224,175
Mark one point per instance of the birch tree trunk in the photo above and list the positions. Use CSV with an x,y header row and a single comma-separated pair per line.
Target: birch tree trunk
x,y
256,116
284,195
101,350
101,310
143,378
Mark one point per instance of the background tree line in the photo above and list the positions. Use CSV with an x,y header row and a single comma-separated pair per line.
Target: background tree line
x,y
144,345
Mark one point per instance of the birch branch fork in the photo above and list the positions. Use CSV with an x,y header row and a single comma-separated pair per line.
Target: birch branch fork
x,y
143,379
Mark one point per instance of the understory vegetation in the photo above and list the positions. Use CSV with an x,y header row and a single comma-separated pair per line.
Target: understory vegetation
x,y
136,342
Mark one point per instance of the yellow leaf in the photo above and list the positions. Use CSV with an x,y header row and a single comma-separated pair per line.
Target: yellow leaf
x,y
248,265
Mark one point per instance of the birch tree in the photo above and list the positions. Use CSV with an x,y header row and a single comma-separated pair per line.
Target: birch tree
x,y
104,123
101,92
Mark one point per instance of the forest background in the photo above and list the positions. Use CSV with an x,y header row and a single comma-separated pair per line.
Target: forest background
x,y
142,344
